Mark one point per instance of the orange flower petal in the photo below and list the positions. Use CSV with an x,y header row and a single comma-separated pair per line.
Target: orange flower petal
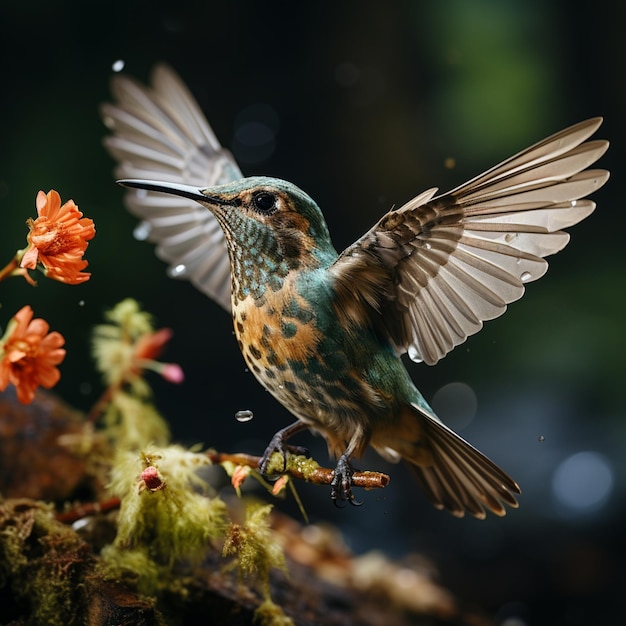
x,y
29,355
58,239
150,345
41,201
280,484
29,260
239,475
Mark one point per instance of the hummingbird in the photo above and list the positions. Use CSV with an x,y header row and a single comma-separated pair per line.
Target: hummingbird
x,y
323,331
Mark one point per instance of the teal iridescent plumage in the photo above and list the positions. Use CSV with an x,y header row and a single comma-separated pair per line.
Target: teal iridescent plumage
x,y
323,331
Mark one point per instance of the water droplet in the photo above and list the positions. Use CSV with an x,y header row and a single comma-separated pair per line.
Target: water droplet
x,y
509,237
81,303
246,370
525,277
177,271
414,354
244,416
573,203
118,65
142,231
541,439
80,523
281,386
427,246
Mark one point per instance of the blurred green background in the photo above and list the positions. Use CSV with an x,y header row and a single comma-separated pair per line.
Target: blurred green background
x,y
364,105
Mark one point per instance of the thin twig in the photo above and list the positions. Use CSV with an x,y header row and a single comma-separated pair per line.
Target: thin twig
x,y
86,509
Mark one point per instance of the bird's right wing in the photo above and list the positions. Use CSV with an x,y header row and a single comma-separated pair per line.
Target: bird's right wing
x,y
160,133
436,268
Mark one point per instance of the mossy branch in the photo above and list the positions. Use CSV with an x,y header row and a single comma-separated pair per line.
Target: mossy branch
x,y
298,467
302,468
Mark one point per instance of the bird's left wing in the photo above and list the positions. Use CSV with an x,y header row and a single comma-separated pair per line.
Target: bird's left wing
x,y
160,133
437,267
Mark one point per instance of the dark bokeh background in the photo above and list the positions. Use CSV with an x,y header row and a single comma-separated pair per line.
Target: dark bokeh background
x,y
361,104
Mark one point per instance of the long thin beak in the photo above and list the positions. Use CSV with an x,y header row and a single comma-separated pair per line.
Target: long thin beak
x,y
177,189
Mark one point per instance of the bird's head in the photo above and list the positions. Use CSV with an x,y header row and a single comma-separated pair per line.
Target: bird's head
x,y
267,219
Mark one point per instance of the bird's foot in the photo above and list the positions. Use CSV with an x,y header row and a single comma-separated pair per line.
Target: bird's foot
x,y
341,484
277,444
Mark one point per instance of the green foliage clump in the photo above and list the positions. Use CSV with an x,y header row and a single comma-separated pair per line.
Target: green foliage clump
x,y
168,517
123,350
114,344
164,519
131,421
254,547
270,614
41,560
257,553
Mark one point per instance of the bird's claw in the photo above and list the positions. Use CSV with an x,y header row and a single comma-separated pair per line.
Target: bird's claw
x,y
277,444
341,484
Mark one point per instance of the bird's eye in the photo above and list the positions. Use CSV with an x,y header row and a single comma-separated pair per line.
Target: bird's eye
x,y
264,202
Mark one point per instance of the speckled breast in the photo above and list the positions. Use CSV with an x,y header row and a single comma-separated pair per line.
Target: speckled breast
x,y
305,367
275,334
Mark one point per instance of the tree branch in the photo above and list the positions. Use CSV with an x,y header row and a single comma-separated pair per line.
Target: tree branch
x,y
303,468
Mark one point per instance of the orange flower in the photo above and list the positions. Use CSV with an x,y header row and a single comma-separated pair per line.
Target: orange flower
x,y
29,355
58,239
150,346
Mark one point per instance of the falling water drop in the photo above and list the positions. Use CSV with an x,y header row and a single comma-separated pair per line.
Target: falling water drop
x,y
541,439
177,271
81,303
142,231
118,65
244,416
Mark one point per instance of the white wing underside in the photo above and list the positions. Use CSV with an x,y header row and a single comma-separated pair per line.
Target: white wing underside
x,y
160,133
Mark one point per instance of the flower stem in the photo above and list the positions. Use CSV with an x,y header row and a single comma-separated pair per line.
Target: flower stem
x,y
12,268
8,270
101,403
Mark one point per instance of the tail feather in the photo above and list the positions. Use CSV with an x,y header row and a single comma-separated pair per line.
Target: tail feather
x,y
461,479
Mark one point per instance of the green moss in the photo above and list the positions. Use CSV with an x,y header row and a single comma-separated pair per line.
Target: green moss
x,y
41,561
270,614
256,550
157,528
305,465
131,421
